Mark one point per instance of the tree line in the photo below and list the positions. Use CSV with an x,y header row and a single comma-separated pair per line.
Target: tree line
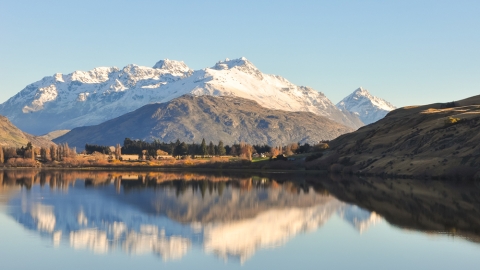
x,y
180,149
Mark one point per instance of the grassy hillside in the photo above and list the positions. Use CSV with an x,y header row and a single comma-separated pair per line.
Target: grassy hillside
x,y
436,140
11,136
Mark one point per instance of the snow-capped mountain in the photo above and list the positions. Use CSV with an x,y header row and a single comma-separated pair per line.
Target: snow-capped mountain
x,y
92,97
369,108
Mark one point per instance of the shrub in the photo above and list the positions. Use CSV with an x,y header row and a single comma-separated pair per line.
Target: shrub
x,y
321,147
451,121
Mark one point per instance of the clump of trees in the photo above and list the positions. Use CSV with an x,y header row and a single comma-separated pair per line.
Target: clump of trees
x,y
23,156
29,155
193,150
91,148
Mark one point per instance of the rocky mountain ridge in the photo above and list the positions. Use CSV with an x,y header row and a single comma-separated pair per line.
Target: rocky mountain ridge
x,y
192,118
92,97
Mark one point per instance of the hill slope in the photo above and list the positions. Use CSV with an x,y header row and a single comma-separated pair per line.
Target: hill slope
x,y
88,98
369,108
11,136
54,134
438,140
191,118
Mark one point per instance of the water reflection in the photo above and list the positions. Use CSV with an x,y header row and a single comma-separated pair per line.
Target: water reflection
x,y
433,207
231,216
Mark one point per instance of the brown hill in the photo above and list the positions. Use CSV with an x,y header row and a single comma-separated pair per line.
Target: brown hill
x,y
10,135
189,118
436,140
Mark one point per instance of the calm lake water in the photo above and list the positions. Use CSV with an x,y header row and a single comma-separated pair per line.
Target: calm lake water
x,y
175,220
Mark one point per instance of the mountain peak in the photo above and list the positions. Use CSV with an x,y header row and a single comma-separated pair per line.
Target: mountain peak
x,y
172,65
368,107
361,90
232,63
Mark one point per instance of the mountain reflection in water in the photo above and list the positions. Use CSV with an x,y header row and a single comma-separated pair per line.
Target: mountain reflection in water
x,y
231,216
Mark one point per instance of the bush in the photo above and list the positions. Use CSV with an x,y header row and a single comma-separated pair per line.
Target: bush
x,y
321,147
452,121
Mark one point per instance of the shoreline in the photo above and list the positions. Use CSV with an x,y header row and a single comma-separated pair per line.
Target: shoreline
x,y
160,169
228,170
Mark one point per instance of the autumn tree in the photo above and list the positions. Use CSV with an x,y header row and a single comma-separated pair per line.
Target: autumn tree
x,y
275,151
9,152
118,151
246,150
53,153
291,149
29,154
44,154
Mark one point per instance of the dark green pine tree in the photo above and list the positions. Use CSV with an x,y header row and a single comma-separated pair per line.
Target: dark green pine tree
x,y
192,150
211,149
180,150
221,149
203,148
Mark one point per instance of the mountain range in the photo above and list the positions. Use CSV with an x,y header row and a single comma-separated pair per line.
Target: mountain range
x,y
88,98
191,118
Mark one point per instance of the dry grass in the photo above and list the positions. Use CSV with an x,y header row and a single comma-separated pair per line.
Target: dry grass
x,y
21,162
437,141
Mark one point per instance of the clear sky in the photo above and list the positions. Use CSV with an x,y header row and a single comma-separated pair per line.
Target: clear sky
x,y
408,52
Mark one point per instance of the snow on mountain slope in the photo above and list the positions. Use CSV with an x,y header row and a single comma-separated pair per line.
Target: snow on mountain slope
x,y
92,97
369,108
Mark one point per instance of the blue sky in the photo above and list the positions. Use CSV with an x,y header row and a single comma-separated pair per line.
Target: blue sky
x,y
408,52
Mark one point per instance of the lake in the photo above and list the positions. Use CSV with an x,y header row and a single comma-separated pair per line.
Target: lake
x,y
201,220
